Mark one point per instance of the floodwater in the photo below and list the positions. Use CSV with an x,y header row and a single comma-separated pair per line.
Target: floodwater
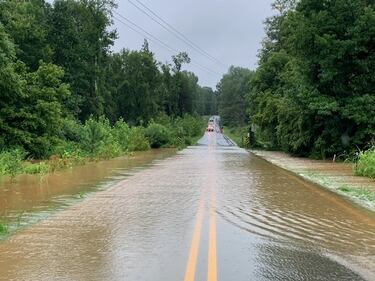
x,y
211,212
33,197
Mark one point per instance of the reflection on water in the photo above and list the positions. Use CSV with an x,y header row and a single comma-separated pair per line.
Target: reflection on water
x,y
32,197
271,225
314,229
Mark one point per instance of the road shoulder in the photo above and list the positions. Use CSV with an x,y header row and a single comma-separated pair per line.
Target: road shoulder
x,y
337,177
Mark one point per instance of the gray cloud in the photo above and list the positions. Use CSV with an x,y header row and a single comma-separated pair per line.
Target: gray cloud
x,y
228,30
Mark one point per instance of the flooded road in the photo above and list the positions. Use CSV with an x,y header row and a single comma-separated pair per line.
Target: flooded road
x,y
211,212
33,197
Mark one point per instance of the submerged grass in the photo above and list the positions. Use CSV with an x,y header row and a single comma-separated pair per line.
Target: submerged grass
x,y
4,229
360,193
238,135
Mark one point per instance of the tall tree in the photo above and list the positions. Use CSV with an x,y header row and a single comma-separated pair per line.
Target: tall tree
x,y
28,24
81,41
232,90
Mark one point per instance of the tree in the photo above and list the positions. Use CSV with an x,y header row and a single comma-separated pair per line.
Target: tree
x,y
314,88
138,80
81,39
28,23
232,90
10,87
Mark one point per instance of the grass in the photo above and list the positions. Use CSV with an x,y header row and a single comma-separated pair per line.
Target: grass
x,y
3,227
38,168
366,164
360,193
236,134
98,140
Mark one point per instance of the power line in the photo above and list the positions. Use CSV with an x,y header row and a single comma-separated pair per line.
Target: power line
x,y
153,38
175,32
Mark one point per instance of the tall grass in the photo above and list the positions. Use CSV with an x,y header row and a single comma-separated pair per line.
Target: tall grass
x,y
366,164
4,229
98,139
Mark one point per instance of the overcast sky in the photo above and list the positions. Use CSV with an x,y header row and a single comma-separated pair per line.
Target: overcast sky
x,y
230,31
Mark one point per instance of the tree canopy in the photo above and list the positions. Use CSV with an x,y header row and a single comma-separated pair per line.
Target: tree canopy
x,y
57,65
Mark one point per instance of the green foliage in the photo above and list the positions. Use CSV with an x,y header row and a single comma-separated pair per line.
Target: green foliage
x,y
138,140
237,134
158,135
4,228
98,139
38,168
366,164
313,92
121,133
28,23
81,37
11,162
138,78
232,91
360,193
58,76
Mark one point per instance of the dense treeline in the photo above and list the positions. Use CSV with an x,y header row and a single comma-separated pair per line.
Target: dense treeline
x,y
232,90
57,71
313,93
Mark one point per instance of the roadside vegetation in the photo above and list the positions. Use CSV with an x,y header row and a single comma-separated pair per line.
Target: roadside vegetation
x,y
366,164
313,93
67,98
4,229
359,193
238,135
97,139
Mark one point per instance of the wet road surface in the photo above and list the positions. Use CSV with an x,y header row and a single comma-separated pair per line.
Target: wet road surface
x,y
209,213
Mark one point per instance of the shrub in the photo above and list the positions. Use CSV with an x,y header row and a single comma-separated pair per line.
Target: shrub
x,y
366,164
192,125
158,135
71,130
138,140
38,168
94,134
121,133
11,162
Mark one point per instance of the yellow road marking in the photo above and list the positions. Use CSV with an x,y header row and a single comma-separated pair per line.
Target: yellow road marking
x,y
212,250
194,249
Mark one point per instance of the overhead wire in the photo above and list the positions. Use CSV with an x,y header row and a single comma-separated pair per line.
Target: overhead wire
x,y
144,33
167,26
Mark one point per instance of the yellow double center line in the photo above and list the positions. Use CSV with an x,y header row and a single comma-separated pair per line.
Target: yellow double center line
x,y
212,251
212,246
194,249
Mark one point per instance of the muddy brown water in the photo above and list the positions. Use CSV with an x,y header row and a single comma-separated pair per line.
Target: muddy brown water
x,y
268,225
33,197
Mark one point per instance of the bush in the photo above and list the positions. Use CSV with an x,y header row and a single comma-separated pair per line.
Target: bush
x,y
366,164
38,168
193,126
138,140
11,162
121,133
158,135
96,133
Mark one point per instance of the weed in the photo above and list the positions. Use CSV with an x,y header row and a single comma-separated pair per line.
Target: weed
x,y
11,162
361,193
38,168
4,229
366,164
